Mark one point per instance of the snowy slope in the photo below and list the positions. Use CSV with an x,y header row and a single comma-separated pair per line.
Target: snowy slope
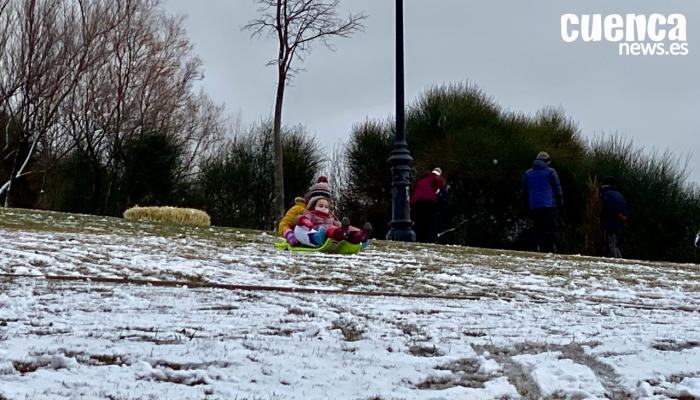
x,y
453,322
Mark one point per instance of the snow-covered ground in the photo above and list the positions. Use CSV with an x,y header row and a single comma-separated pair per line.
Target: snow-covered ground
x,y
452,322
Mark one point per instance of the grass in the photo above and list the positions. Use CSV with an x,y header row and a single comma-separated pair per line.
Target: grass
x,y
409,272
25,367
52,221
387,266
351,330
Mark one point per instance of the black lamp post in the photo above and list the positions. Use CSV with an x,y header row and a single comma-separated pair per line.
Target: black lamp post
x,y
400,225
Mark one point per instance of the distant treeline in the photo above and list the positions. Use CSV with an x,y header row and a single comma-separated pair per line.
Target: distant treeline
x,y
98,113
483,152
481,149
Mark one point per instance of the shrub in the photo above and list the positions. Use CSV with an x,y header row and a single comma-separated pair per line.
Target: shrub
x,y
664,210
172,215
364,192
146,169
483,152
149,172
74,184
235,185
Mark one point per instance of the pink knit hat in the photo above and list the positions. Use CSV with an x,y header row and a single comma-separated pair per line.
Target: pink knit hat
x,y
320,188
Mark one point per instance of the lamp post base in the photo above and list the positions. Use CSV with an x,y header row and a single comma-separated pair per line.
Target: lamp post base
x,y
401,235
400,225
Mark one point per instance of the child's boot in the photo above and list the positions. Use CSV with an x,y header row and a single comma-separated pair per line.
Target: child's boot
x,y
318,237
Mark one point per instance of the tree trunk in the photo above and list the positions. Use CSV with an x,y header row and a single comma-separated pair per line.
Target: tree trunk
x,y
10,200
278,203
96,206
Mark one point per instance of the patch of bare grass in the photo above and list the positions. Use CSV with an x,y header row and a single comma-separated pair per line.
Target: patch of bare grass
x,y
351,330
437,382
107,359
171,338
673,345
425,350
28,366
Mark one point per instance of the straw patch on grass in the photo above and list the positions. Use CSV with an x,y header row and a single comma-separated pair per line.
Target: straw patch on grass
x,y
172,215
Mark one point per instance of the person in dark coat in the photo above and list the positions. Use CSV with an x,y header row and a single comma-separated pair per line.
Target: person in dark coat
x,y
543,197
424,199
613,216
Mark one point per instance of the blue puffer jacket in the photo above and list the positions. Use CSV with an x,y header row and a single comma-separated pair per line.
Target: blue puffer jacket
x,y
614,214
541,186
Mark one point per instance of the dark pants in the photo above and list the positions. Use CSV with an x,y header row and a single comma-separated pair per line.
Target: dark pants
x,y
612,248
425,224
546,228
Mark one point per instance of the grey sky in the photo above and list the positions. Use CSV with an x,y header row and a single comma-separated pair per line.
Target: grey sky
x,y
512,49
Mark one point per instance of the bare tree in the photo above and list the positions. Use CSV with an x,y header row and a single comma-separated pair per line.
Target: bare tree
x,y
86,76
144,84
297,24
49,47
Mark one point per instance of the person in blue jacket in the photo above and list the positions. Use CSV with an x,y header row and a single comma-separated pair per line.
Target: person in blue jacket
x,y
613,216
543,197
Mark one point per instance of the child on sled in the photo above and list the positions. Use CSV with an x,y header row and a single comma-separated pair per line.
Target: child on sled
x,y
317,223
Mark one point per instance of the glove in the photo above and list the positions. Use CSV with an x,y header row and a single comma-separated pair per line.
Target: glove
x,y
291,239
305,221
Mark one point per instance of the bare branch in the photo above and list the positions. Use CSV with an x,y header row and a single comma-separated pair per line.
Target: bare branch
x,y
299,23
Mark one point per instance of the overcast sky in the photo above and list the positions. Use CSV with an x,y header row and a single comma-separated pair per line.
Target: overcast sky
x,y
512,49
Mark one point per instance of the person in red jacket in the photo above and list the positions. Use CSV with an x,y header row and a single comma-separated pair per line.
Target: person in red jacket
x,y
424,205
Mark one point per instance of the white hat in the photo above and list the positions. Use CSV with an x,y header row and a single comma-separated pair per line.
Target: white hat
x,y
543,155
437,171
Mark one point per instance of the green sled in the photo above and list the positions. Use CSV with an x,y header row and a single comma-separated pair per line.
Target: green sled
x,y
329,246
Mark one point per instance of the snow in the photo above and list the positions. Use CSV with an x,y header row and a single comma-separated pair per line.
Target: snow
x,y
556,375
452,322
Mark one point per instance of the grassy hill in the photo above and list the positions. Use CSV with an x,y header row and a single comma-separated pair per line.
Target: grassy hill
x,y
109,308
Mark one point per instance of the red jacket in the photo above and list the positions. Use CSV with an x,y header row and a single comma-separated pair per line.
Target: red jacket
x,y
427,186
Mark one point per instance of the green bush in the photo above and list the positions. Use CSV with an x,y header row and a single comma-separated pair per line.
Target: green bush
x,y
144,170
77,182
149,171
483,152
664,210
236,185
365,190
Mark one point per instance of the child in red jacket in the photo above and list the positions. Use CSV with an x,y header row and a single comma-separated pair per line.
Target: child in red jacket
x,y
317,223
